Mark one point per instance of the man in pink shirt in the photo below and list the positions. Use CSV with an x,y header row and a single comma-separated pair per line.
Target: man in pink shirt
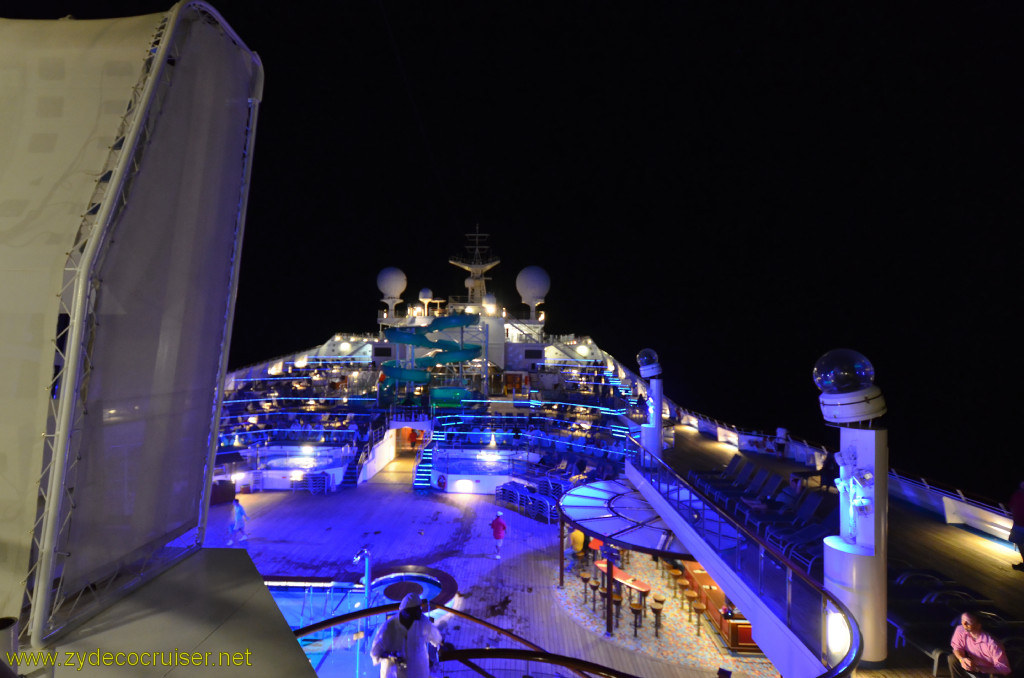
x,y
975,652
1017,532
498,527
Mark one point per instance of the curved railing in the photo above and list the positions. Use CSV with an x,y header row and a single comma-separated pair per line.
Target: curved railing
x,y
577,665
533,653
781,594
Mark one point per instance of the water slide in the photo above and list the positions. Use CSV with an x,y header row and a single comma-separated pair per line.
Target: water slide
x,y
441,351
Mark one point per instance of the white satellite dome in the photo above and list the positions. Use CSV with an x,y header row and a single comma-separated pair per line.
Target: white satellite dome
x,y
391,282
533,284
426,294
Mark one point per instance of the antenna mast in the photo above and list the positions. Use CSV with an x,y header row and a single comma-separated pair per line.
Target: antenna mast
x,y
477,260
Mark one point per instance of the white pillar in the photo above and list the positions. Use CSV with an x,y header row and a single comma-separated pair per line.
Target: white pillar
x,y
650,433
650,369
855,560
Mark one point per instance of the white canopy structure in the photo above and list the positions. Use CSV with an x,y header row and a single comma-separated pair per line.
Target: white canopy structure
x,y
125,151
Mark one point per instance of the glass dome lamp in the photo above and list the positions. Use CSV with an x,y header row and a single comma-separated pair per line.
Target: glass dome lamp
x,y
848,392
648,360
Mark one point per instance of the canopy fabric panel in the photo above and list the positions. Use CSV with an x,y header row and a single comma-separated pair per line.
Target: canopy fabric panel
x,y
139,264
64,90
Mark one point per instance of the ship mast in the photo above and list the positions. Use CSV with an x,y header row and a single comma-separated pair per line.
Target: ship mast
x,y
477,260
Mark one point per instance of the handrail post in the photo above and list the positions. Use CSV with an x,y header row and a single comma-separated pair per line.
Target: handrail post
x,y
561,551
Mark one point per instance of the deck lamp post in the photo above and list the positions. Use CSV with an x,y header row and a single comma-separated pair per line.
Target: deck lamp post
x,y
364,554
855,559
650,369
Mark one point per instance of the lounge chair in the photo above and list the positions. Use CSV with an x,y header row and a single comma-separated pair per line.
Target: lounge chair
x,y
782,506
771,486
727,471
812,505
786,540
723,495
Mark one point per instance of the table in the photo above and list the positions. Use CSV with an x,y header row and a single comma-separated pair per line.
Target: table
x,y
627,580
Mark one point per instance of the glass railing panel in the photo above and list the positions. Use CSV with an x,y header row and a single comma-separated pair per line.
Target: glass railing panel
x,y
336,653
806,611
774,576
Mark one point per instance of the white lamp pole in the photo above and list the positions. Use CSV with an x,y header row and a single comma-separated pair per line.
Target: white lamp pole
x,y
650,369
855,559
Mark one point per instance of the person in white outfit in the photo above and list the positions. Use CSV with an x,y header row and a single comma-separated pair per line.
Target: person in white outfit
x,y
400,645
237,526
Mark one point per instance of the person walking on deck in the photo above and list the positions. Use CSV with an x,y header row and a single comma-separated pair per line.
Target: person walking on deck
x,y
499,528
237,526
1017,531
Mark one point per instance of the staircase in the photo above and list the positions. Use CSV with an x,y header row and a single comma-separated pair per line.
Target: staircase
x,y
351,477
612,379
421,479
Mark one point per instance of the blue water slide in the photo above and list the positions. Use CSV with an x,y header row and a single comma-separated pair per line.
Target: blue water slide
x,y
442,351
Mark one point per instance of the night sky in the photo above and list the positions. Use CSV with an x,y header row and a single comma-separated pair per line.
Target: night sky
x,y
739,187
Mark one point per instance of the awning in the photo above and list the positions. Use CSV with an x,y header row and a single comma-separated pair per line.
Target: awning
x,y
616,512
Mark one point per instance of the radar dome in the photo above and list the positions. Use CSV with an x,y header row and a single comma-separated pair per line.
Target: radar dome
x,y
391,282
843,371
533,284
426,294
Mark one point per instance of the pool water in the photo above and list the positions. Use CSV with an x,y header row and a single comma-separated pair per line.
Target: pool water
x,y
475,467
337,651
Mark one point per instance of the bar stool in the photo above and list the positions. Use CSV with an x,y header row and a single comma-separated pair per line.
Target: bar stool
x,y
637,609
673,575
603,592
682,583
699,609
594,586
585,576
658,600
691,599
617,602
656,609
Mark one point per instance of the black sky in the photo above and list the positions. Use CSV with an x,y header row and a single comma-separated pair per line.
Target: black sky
x,y
741,187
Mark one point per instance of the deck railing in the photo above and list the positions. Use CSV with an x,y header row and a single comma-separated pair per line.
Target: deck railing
x,y
781,584
808,453
531,661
